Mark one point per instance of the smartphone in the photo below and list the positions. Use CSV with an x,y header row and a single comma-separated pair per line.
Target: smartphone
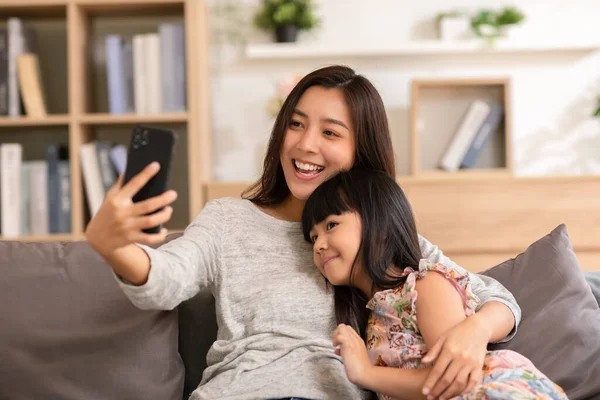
x,y
150,144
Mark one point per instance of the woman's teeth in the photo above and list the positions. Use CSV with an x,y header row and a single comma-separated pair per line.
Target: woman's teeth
x,y
307,168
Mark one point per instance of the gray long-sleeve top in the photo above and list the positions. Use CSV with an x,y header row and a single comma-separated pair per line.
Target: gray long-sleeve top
x,y
274,312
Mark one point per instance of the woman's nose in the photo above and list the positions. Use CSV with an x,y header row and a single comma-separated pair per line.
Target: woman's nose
x,y
308,142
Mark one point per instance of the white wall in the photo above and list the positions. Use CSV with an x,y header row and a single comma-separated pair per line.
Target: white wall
x,y
553,94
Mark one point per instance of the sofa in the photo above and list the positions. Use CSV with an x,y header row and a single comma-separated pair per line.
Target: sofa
x,y
68,332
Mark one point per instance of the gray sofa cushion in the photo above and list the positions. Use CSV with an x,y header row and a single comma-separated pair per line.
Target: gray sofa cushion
x,y
561,320
68,332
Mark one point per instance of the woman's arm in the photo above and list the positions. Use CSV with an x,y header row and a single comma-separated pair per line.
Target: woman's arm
x,y
488,290
155,278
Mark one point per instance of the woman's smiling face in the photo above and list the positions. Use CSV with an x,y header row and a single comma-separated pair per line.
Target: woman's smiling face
x,y
319,142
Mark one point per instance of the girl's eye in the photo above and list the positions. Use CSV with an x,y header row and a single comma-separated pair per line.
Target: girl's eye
x,y
329,133
313,239
331,225
297,124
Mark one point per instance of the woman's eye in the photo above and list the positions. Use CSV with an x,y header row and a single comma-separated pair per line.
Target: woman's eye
x,y
331,225
296,124
313,239
329,133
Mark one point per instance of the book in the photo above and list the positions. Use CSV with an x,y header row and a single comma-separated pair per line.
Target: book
x,y
30,83
107,170
94,189
152,73
127,51
118,156
3,71
15,49
115,73
488,127
64,191
38,191
172,67
461,141
25,199
139,75
11,156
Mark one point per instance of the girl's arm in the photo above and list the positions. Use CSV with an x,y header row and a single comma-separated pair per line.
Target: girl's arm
x,y
498,323
396,382
439,307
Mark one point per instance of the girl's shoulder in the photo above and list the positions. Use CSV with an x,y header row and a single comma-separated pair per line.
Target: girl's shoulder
x,y
403,298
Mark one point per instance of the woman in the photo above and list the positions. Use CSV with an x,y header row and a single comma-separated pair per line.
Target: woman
x,y
274,313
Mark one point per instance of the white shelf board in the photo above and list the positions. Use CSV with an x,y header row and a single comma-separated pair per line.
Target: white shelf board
x,y
411,48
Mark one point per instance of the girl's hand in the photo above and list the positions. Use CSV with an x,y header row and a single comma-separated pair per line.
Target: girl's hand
x,y
459,354
354,353
119,221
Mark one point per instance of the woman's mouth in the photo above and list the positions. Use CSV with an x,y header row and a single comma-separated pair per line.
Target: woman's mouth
x,y
305,170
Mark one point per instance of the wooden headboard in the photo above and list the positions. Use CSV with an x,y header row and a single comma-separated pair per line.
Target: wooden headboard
x,y
480,222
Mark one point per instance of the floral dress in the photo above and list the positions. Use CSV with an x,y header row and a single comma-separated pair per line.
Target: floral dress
x,y
394,340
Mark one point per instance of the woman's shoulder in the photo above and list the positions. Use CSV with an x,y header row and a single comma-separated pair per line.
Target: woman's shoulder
x,y
222,209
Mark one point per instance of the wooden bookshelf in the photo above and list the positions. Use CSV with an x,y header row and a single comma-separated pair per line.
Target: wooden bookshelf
x,y
438,107
74,103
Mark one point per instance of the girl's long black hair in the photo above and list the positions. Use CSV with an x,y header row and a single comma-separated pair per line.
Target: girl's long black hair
x,y
389,233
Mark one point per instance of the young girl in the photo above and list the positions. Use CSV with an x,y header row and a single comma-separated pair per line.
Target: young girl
x,y
274,313
365,243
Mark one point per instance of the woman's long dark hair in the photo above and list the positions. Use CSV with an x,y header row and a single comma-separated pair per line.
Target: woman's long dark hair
x,y
389,233
369,119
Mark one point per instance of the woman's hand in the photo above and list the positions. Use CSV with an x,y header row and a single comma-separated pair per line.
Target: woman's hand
x,y
459,354
354,353
119,221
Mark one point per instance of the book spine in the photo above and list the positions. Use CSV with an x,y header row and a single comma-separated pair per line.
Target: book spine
x,y
107,171
152,65
3,71
139,71
38,181
11,155
179,85
91,177
15,48
127,51
52,150
481,138
64,208
115,72
472,121
25,199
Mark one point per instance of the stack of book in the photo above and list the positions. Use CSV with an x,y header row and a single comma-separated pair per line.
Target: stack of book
x,y
101,164
21,89
146,73
479,122
35,196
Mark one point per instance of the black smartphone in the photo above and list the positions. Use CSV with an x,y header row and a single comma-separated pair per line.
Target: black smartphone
x,y
150,144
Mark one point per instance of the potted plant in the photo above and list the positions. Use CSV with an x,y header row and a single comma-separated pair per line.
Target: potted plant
x,y
286,17
491,24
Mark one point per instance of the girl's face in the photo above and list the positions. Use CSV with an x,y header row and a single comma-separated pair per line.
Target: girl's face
x,y
319,141
336,241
